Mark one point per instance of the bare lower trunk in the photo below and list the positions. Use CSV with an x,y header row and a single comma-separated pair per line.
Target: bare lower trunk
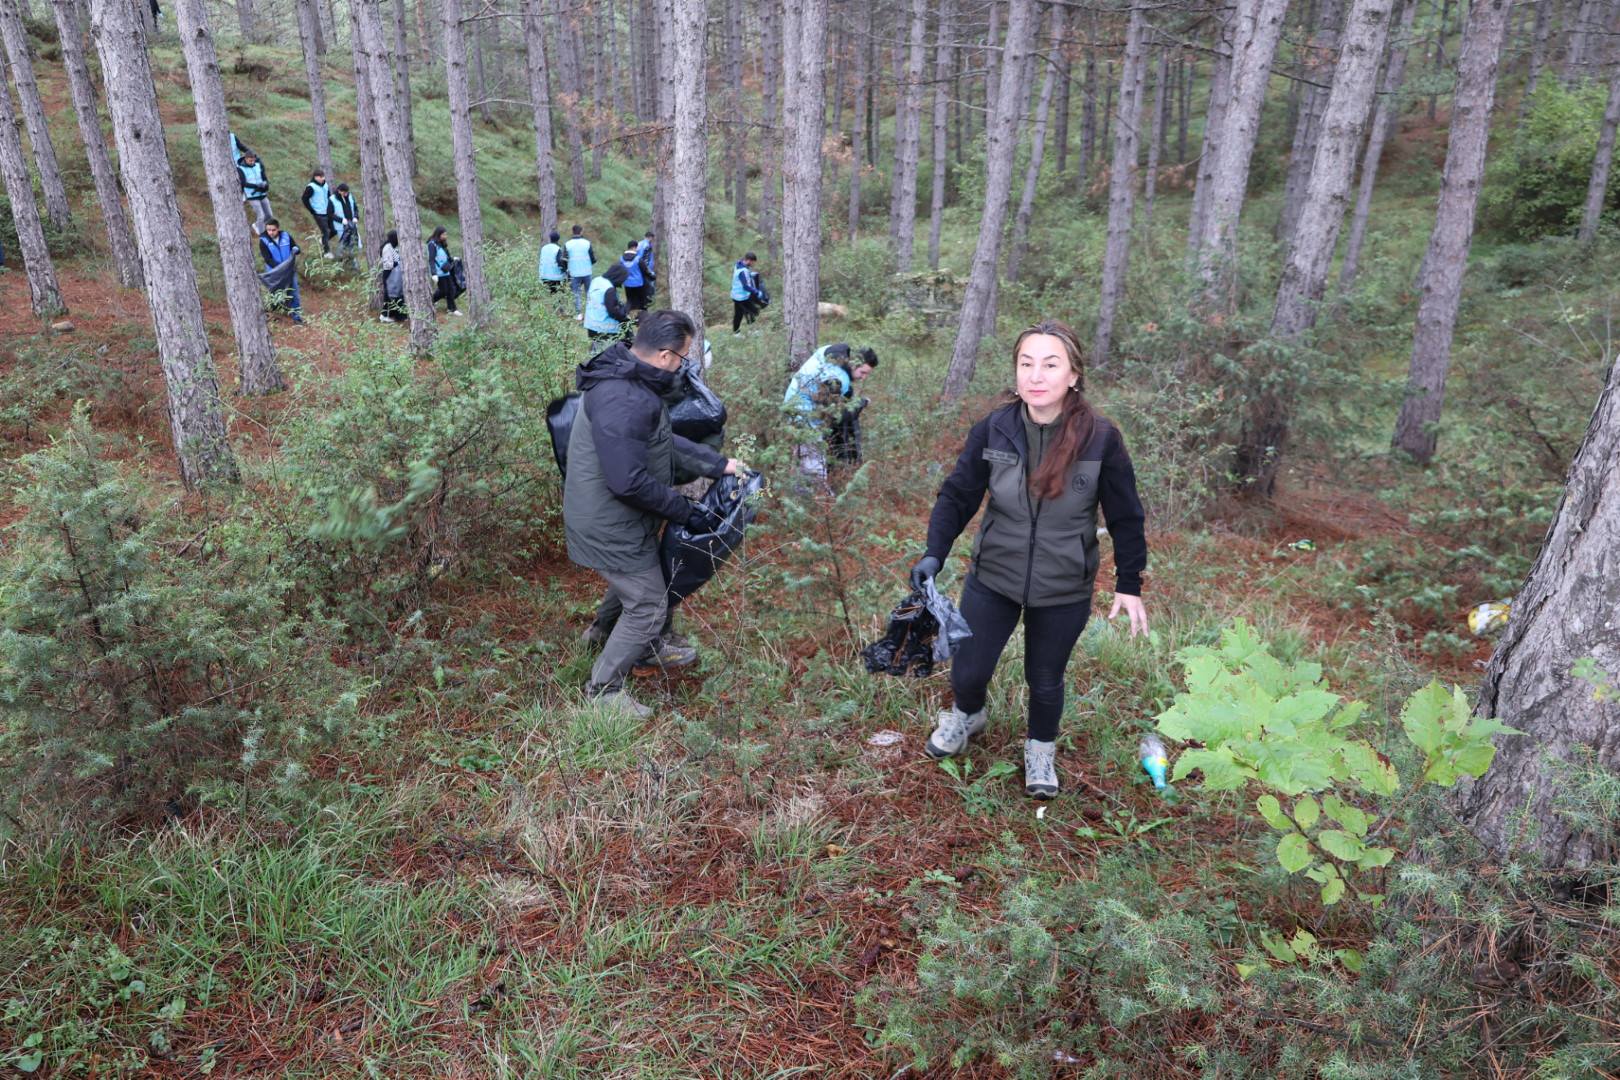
x,y
942,72
540,99
1440,280
196,415
907,145
805,38
44,295
401,68
1150,182
328,26
1220,93
1122,183
863,81
1576,58
374,205
247,20
255,353
466,165
70,32
1320,53
1385,117
1563,616
33,114
573,100
770,19
1597,187
690,154
1088,124
397,166
1185,70
736,133
317,88
1037,152
1060,121
1001,141
664,160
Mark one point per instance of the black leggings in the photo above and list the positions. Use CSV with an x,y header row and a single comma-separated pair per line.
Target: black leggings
x,y
740,310
1049,637
447,292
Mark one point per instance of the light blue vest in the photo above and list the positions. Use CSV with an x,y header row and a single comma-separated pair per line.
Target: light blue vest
x,y
579,257
254,175
596,314
236,147
440,258
808,381
739,283
550,269
320,197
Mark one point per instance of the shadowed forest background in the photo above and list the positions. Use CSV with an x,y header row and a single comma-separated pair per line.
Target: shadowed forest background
x,y
296,781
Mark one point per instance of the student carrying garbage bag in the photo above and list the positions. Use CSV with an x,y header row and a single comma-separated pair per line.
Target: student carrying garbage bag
x,y
690,558
924,629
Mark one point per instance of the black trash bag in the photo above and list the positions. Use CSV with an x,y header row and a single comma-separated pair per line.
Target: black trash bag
x,y
690,560
924,629
844,437
560,416
700,415
458,276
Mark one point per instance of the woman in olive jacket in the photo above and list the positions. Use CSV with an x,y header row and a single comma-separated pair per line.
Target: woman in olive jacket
x,y
1047,462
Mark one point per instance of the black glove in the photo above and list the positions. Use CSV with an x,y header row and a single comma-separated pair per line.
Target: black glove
x,y
700,520
926,568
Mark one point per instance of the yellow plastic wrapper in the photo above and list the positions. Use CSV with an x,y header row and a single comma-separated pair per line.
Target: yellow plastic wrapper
x,y
1488,618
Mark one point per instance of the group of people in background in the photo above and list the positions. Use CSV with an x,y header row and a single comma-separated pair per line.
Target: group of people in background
x,y
598,303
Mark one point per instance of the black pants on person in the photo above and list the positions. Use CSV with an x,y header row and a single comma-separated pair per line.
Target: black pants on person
x,y
1050,634
446,291
743,309
323,225
637,297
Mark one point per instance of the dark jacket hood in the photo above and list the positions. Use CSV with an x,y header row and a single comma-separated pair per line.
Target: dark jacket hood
x,y
618,362
617,273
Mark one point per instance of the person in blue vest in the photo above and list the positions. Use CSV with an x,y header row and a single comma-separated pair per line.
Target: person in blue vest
x,y
239,149
280,253
605,311
553,264
443,268
746,295
318,201
580,261
255,188
818,394
649,270
637,292
346,224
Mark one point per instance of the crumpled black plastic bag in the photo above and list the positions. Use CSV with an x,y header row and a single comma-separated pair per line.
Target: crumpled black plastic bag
x,y
560,416
700,414
691,559
924,629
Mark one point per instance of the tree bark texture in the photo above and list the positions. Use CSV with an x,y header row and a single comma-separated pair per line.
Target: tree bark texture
x,y
1385,118
534,47
1088,123
397,167
1065,96
770,20
1001,142
1122,182
196,416
573,100
255,352
1150,182
690,155
1564,613
805,36
1220,94
1037,149
373,183
33,114
1259,25
1440,279
1321,52
70,32
247,20
401,68
663,174
466,170
863,83
1597,187
317,87
44,295
943,29
908,145
736,132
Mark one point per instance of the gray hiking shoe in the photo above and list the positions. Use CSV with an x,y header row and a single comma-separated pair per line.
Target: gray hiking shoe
x,y
664,653
618,701
1040,769
952,730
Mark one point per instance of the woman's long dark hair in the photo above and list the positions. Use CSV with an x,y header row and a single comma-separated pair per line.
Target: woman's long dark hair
x,y
1076,423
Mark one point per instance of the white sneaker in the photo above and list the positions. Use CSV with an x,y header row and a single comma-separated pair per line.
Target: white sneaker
x,y
619,701
952,730
384,318
1040,769
329,255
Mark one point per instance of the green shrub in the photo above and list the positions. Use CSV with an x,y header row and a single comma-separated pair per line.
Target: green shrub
x,y
1536,185
139,664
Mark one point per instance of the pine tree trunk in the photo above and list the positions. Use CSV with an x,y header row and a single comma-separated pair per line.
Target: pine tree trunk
x,y
397,167
1156,138
805,42
1440,280
1108,104
33,114
992,62
907,145
1088,124
247,19
1122,183
1575,59
317,88
1185,70
196,415
1321,53
1060,136
1259,25
373,185
534,45
690,155
479,73
1220,94
255,353
328,27
770,18
736,132
424,42
1001,142
942,71
1385,119
45,296
466,163
401,68
663,177
573,101
1538,53
1563,615
1597,188
70,33
1037,151
863,82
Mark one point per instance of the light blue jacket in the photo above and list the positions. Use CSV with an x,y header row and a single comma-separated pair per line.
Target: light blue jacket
x,y
742,282
440,259
813,374
550,268
580,259
596,314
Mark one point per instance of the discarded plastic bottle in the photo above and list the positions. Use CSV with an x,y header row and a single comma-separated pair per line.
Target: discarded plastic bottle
x,y
1155,760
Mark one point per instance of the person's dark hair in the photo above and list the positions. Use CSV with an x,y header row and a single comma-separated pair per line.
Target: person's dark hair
x,y
631,245
649,235
1076,423
554,236
750,257
343,187
271,221
579,230
249,154
317,172
869,356
438,233
391,238
664,329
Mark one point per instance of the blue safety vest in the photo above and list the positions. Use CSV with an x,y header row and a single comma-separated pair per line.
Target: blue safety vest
x,y
647,256
632,266
741,283
236,148
440,258
550,268
280,249
253,177
579,257
809,379
596,313
320,197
